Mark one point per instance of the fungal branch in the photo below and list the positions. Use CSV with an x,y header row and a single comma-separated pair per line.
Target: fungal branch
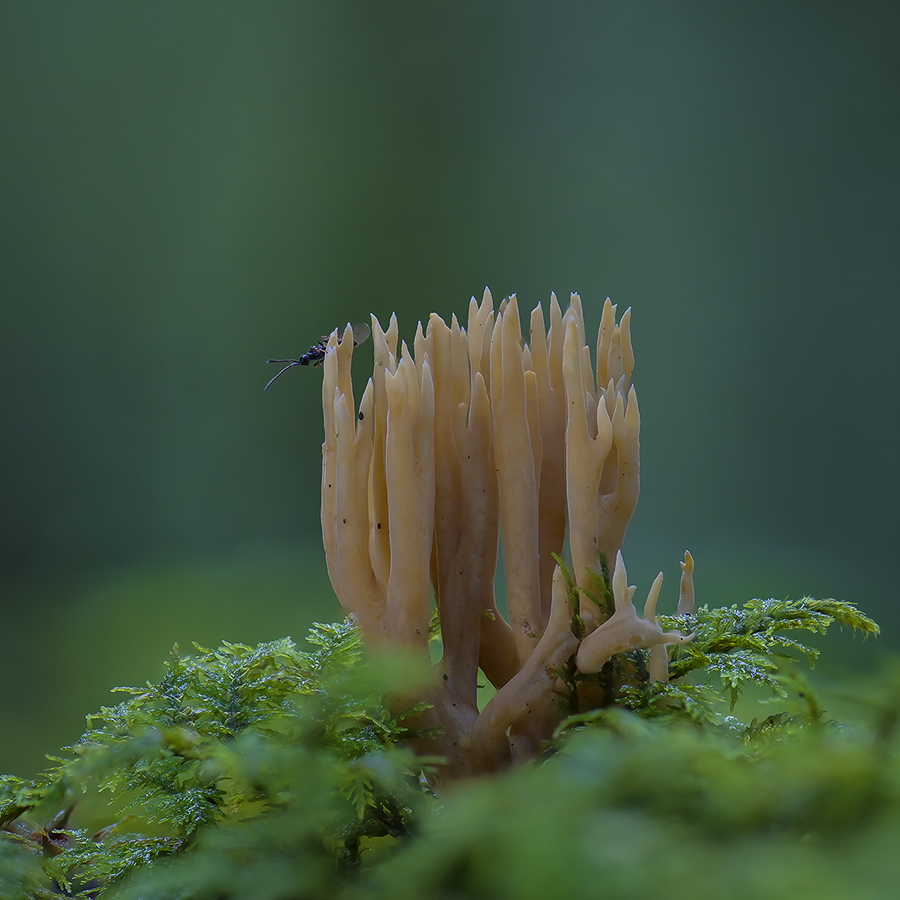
x,y
473,435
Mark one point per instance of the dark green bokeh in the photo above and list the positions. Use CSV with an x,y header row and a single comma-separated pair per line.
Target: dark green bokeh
x,y
190,189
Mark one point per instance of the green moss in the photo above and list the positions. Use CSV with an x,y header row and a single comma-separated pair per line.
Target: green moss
x,y
267,772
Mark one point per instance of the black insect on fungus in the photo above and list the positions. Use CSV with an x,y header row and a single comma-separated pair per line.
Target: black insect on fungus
x,y
315,356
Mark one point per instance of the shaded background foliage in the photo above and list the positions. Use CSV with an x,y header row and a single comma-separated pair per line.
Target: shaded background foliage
x,y
188,190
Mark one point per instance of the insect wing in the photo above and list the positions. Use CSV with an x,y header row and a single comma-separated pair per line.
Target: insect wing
x,y
361,333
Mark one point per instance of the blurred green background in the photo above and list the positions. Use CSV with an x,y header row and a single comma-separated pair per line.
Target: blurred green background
x,y
188,189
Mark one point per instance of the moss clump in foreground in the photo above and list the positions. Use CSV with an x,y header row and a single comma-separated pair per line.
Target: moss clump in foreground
x,y
267,772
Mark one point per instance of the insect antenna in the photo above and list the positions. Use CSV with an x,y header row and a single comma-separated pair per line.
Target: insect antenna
x,y
290,363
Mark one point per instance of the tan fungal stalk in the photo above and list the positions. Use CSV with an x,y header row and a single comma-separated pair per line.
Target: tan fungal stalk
x,y
529,692
686,594
382,580
625,630
547,361
473,434
602,439
517,447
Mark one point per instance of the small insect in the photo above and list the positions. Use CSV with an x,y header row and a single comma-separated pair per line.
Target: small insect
x,y
315,356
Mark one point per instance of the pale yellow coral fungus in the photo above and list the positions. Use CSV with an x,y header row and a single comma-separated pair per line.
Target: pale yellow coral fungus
x,y
473,435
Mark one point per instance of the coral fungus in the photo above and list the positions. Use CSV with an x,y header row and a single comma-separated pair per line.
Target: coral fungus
x,y
474,435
